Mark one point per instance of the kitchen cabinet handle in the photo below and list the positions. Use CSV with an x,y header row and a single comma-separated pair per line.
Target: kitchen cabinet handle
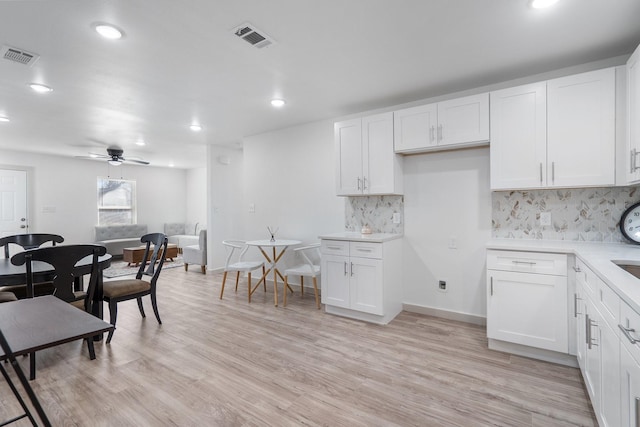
x,y
432,131
364,183
337,248
577,269
627,333
540,173
363,250
358,183
439,132
632,160
587,330
553,172
524,262
575,305
491,286
637,411
592,323
345,268
352,269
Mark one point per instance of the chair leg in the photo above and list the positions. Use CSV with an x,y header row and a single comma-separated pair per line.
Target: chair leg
x,y
203,268
32,366
113,315
140,307
264,282
92,351
154,304
284,291
249,285
224,279
186,267
315,291
237,279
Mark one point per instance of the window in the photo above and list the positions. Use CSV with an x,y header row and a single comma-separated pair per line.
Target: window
x,y
116,201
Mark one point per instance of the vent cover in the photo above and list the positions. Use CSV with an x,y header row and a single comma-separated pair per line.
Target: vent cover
x,y
18,55
253,36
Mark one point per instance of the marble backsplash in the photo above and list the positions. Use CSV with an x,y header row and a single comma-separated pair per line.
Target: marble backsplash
x,y
585,214
374,211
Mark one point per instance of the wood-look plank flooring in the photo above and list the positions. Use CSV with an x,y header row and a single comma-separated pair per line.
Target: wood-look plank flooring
x,y
230,363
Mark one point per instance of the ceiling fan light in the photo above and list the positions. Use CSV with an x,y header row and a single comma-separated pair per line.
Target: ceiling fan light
x,y
40,88
108,31
542,4
113,162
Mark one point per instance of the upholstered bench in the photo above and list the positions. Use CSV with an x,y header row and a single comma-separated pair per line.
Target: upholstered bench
x,y
117,237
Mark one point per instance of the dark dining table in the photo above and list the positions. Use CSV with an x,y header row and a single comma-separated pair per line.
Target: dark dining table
x,y
16,275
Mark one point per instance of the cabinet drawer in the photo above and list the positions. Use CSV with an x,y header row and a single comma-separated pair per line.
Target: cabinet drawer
x,y
334,247
365,250
608,304
630,321
587,278
527,262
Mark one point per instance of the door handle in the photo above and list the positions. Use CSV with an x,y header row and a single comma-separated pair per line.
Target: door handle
x,y
627,333
491,286
364,183
352,269
358,183
540,173
345,268
575,305
553,172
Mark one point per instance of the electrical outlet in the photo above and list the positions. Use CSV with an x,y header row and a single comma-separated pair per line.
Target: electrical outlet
x,y
396,218
453,242
545,218
252,208
442,285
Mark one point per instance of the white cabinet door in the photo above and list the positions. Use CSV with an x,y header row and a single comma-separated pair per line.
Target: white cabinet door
x,y
593,369
366,285
581,129
378,155
415,128
463,120
633,121
630,382
335,280
609,347
528,309
581,331
519,137
348,141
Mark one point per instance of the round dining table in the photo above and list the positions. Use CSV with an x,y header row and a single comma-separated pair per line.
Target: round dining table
x,y
278,248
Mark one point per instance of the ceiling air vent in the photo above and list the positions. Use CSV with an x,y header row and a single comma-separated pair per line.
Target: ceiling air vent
x,y
18,55
253,36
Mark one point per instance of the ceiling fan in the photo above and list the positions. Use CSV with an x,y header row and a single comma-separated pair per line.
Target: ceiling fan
x,y
114,157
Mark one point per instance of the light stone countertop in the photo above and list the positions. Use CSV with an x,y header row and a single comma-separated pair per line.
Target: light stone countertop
x,y
358,237
597,256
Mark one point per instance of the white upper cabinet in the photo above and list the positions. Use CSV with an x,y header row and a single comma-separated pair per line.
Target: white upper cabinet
x,y
365,161
458,122
559,133
519,137
581,115
633,118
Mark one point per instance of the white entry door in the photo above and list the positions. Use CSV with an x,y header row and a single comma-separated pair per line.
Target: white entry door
x,y
13,202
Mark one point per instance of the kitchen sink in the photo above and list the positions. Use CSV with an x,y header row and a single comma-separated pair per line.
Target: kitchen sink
x,y
631,267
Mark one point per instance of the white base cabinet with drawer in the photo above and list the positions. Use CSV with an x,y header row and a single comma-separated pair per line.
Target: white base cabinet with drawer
x,y
527,299
362,280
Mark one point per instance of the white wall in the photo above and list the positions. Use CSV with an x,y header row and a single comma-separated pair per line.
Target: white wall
x,y
196,194
289,177
69,186
446,197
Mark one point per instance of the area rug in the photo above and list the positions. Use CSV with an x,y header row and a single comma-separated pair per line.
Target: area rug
x,y
119,268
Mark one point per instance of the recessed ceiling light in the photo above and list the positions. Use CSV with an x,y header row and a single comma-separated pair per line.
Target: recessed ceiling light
x,y
170,165
108,31
4,119
195,128
40,88
277,102
541,4
141,143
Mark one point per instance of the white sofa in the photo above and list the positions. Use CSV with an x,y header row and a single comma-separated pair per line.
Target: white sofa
x,y
196,254
117,237
182,234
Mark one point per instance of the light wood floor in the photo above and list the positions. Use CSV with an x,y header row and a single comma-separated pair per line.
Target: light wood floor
x,y
228,363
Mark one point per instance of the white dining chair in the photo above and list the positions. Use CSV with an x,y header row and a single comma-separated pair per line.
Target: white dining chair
x,y
240,266
306,269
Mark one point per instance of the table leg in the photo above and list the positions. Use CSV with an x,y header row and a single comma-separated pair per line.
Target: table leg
x,y
96,307
275,278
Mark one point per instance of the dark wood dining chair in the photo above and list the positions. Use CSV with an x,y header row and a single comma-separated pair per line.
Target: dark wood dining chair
x,y
29,241
115,291
63,259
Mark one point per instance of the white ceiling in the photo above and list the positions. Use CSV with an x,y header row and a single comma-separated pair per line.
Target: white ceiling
x,y
180,62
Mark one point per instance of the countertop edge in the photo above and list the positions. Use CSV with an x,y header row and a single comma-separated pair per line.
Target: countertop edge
x,y
358,237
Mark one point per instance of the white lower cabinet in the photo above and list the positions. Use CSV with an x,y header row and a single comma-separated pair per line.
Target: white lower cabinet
x,y
362,279
630,389
527,299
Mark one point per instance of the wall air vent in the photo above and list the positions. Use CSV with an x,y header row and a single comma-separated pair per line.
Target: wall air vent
x,y
18,55
253,36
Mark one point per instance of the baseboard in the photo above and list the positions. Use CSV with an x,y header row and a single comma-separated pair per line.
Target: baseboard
x,y
533,353
445,314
